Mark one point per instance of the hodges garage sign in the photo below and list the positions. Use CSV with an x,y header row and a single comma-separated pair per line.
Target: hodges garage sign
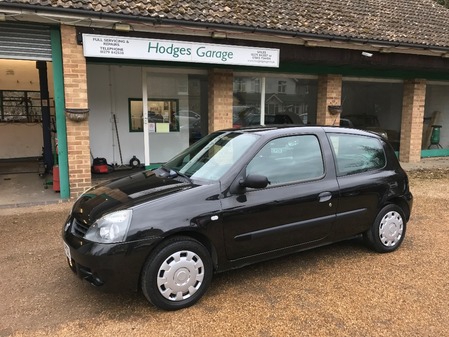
x,y
177,51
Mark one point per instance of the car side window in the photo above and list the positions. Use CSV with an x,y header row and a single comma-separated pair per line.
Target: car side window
x,y
356,153
289,159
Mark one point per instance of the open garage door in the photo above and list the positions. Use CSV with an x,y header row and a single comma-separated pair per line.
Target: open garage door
x,y
21,41
26,112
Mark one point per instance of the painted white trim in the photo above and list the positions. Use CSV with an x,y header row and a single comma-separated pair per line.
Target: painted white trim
x,y
262,100
146,135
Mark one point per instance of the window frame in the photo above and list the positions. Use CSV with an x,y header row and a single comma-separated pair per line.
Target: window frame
x,y
166,105
25,97
282,86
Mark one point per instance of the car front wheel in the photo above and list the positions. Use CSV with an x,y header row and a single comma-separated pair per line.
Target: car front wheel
x,y
388,230
177,274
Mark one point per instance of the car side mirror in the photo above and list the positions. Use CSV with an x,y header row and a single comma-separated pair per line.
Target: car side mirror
x,y
254,181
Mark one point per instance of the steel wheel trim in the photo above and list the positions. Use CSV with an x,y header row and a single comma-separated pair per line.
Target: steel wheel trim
x,y
180,275
391,229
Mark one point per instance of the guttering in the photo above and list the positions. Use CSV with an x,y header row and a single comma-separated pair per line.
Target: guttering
x,y
87,14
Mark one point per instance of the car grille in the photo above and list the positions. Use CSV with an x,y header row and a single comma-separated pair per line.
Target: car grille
x,y
79,228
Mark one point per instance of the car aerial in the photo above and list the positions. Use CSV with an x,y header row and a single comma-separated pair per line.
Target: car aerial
x,y
233,198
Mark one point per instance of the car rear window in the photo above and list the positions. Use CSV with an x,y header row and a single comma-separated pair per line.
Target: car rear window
x,y
355,153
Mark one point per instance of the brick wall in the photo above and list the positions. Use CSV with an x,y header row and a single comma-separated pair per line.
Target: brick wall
x,y
329,93
220,99
75,90
413,102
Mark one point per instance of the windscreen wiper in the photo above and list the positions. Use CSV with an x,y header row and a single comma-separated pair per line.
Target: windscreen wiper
x,y
171,173
174,174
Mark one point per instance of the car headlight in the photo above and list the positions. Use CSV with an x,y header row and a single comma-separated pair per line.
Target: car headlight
x,y
111,228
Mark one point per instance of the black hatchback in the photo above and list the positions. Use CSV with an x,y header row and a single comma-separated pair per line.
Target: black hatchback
x,y
233,198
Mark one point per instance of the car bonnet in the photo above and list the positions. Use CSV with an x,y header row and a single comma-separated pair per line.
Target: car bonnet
x,y
124,193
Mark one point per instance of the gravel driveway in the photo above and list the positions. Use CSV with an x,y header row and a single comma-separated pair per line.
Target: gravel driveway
x,y
339,290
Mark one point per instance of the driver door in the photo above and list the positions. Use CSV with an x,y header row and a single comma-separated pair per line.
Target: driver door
x,y
298,207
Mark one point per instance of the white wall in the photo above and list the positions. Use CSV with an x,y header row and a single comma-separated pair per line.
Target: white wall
x,y
109,88
22,75
20,140
437,99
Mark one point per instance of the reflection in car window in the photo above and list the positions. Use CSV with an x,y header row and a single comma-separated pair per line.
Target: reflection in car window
x,y
212,156
288,159
355,154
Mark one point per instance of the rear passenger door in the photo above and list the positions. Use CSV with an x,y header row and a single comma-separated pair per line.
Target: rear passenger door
x,y
298,207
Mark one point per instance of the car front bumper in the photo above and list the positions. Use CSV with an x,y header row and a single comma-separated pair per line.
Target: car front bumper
x,y
115,266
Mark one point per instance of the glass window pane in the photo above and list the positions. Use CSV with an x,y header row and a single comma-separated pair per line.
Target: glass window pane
x,y
212,156
246,104
374,106
289,159
287,101
176,103
290,101
355,154
20,106
435,113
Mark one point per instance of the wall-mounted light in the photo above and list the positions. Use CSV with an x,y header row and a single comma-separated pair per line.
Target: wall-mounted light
x,y
219,35
366,54
2,17
121,27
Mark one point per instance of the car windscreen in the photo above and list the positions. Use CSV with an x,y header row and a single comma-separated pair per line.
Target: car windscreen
x,y
211,157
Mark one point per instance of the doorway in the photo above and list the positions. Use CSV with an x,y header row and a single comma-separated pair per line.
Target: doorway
x,y
22,165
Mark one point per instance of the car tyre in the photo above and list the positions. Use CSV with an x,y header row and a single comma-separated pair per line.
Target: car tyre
x,y
388,230
177,273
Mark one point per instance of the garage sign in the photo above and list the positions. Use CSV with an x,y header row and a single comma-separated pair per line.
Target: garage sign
x,y
177,51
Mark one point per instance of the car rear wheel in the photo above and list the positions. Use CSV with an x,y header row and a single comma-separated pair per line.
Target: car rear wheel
x,y
177,274
388,230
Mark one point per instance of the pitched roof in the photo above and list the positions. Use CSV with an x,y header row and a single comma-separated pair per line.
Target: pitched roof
x,y
420,22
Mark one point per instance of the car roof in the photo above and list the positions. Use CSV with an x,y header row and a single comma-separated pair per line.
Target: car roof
x,y
265,130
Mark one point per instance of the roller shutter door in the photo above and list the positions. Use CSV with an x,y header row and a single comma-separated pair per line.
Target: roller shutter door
x,y
21,41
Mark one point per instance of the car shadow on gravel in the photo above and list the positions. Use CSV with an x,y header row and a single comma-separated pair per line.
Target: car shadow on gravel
x,y
121,305
301,262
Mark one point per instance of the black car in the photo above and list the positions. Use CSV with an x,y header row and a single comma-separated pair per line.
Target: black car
x,y
237,197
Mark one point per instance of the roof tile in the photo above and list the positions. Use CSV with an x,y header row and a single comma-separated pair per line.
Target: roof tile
x,y
421,22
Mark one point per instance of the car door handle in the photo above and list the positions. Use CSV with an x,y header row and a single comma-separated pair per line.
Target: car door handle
x,y
324,196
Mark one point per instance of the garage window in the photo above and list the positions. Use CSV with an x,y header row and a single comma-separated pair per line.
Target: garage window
x,y
20,106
